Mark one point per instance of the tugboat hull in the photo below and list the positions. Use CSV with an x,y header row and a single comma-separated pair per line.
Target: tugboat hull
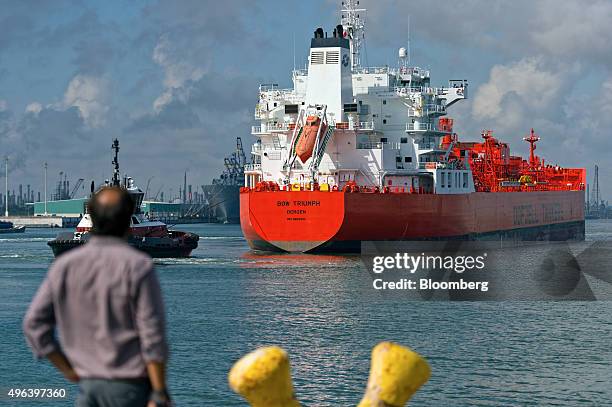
x,y
176,244
15,229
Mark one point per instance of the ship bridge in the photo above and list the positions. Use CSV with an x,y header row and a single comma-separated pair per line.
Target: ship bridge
x,y
377,124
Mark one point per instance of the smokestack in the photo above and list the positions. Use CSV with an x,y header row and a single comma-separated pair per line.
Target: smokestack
x,y
185,188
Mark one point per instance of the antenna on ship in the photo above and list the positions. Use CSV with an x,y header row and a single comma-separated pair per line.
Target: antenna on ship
x,y
116,178
404,54
354,29
408,52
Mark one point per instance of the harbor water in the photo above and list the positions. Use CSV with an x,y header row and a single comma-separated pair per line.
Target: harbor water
x,y
226,301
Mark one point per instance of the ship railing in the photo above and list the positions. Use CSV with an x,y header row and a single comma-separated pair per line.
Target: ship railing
x,y
391,146
252,167
428,146
369,145
257,130
334,189
372,69
412,70
458,83
436,165
259,111
376,145
280,94
419,127
366,125
435,108
265,87
256,148
270,128
300,72
363,126
402,91
281,127
405,90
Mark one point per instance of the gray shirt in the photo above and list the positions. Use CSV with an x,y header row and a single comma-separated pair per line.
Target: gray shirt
x,y
105,300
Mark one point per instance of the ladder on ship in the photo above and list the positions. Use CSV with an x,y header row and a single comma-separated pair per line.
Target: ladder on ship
x,y
297,133
276,143
320,149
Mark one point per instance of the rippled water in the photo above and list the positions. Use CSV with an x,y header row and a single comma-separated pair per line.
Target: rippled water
x,y
226,301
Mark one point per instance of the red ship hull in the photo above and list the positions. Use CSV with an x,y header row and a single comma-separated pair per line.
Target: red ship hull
x,y
306,221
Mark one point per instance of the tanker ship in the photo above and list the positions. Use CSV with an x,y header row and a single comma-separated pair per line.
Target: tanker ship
x,y
354,153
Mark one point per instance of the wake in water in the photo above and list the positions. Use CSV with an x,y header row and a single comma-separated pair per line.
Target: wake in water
x,y
24,240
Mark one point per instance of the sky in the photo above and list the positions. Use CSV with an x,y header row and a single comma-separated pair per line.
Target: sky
x,y
176,81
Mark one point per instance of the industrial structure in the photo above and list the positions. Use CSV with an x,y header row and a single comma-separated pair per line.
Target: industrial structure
x,y
222,194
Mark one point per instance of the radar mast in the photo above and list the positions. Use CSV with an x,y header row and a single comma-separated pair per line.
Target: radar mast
x,y
354,29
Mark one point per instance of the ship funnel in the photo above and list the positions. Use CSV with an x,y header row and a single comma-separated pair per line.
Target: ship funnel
x,y
330,73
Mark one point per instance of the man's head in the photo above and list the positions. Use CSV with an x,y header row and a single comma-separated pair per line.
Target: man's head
x,y
111,210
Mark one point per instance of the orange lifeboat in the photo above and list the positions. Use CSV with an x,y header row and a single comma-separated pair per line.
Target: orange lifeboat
x,y
306,143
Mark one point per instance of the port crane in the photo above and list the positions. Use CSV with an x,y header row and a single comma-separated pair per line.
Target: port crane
x,y
76,187
234,165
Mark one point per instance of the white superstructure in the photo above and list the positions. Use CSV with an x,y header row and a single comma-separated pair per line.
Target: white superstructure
x,y
380,125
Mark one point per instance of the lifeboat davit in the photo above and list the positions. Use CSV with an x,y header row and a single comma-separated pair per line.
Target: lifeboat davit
x,y
306,143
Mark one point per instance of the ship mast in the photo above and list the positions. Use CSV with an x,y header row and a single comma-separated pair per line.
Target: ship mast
x,y
532,139
354,29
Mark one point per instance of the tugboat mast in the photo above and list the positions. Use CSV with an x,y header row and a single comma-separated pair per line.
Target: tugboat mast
x,y
116,182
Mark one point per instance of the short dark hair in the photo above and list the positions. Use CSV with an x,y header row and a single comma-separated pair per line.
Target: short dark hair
x,y
111,220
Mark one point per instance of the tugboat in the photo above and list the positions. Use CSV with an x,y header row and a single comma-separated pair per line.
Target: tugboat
x,y
149,236
8,227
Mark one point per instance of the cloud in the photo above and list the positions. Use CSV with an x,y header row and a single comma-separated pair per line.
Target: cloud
x,y
3,105
518,88
177,71
89,94
34,107
94,56
172,115
177,81
193,37
573,29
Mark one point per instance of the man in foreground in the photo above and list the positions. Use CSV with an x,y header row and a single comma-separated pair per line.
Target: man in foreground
x,y
105,300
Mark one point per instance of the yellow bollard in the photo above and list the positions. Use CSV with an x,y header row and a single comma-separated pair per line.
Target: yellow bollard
x,y
263,378
396,373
